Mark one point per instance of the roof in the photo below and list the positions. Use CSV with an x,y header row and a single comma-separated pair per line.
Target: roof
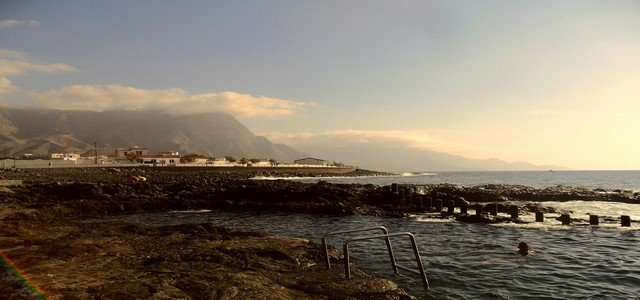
x,y
309,158
159,156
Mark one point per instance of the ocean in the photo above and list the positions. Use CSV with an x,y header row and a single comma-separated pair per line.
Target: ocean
x,y
626,180
479,261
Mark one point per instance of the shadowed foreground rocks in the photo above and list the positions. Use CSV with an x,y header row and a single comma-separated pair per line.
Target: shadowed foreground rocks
x,y
71,259
44,235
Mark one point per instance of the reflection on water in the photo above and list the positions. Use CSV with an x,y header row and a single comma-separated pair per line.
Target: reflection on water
x,y
468,260
591,179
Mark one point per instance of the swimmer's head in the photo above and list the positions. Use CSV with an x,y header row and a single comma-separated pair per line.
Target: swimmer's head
x,y
524,248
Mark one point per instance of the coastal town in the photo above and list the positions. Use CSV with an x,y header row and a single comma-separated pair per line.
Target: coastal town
x,y
141,156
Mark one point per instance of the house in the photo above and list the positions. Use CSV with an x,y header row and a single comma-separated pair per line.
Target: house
x,y
135,150
160,159
310,161
65,156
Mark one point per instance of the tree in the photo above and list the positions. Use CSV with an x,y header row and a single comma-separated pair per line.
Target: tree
x,y
134,158
230,158
273,162
254,160
189,158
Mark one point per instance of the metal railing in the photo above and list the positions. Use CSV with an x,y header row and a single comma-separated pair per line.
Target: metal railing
x,y
381,228
386,236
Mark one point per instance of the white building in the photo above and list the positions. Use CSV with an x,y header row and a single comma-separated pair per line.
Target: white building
x,y
160,159
65,156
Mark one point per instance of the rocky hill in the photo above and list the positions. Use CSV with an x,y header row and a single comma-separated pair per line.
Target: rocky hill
x,y
39,131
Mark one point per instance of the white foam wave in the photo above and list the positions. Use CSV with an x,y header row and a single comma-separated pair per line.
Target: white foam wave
x,y
582,209
414,174
608,212
320,177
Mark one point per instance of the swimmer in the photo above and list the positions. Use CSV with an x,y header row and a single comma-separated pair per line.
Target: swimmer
x,y
524,248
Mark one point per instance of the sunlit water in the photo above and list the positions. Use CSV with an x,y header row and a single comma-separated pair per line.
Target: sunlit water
x,y
591,179
474,261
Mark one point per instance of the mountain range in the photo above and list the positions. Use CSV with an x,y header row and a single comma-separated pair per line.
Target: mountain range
x,y
39,131
397,159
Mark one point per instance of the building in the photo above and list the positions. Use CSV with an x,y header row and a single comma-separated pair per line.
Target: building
x,y
160,159
135,150
65,156
310,161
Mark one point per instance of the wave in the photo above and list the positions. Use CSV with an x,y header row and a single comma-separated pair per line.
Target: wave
x,y
608,212
408,174
318,177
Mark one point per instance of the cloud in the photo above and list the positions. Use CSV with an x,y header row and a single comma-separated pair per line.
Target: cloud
x,y
14,63
11,23
118,97
568,113
416,139
6,87
10,54
10,67
173,100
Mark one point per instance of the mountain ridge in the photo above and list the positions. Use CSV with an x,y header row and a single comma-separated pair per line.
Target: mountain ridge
x,y
395,159
39,131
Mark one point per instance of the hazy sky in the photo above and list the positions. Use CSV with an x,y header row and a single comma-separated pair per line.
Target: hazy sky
x,y
547,82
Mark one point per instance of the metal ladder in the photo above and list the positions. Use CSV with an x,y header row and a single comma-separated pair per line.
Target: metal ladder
x,y
386,236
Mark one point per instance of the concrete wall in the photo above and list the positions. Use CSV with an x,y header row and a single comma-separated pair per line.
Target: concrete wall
x,y
55,163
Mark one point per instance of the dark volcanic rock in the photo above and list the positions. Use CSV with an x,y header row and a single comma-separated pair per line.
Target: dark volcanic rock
x,y
96,191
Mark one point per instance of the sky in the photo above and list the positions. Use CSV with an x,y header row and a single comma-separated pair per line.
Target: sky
x,y
545,82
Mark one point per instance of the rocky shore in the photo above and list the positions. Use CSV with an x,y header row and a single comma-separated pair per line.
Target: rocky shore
x,y
45,236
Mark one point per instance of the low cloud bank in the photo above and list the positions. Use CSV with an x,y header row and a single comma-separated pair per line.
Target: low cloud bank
x,y
174,100
412,139
119,97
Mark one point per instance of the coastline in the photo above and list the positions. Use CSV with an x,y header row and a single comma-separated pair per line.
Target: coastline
x,y
45,233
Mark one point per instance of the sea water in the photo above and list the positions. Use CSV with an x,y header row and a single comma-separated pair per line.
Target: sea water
x,y
626,180
479,261
466,261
